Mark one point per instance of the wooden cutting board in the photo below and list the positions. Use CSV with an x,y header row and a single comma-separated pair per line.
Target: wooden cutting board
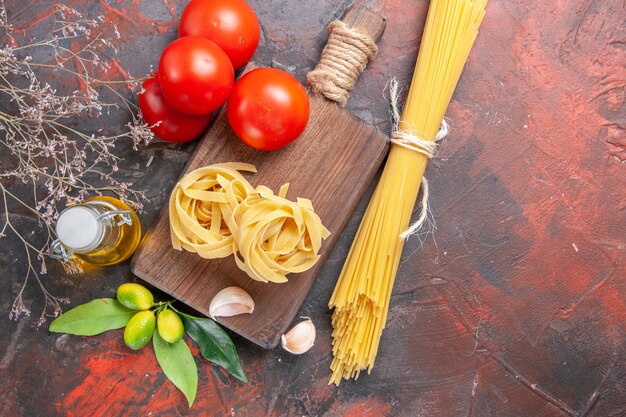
x,y
331,163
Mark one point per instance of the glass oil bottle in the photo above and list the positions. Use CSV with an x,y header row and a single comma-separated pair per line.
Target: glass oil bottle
x,y
101,231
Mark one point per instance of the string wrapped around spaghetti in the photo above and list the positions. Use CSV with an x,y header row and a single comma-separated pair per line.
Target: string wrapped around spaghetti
x,y
362,294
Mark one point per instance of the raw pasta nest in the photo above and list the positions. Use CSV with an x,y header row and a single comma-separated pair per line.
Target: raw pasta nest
x,y
215,212
200,206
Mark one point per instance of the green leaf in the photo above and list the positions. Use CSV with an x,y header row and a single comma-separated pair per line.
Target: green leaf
x,y
215,344
177,364
93,318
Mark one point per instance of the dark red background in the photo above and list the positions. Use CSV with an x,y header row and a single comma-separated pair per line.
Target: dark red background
x,y
514,308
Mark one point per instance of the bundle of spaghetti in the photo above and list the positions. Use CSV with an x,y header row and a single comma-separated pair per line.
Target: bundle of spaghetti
x,y
362,294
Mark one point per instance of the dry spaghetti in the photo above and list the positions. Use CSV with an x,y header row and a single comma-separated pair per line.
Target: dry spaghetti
x,y
361,297
215,212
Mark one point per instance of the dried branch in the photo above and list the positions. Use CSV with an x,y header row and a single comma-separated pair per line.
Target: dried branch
x,y
57,163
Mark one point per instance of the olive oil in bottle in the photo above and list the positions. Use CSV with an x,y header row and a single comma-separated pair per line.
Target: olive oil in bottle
x,y
101,231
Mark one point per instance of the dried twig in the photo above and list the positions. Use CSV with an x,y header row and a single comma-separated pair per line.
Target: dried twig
x,y
57,163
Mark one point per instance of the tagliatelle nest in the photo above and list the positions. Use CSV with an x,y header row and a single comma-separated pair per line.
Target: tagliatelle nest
x,y
215,212
200,205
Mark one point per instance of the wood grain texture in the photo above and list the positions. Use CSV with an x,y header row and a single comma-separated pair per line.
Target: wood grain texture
x,y
360,17
332,163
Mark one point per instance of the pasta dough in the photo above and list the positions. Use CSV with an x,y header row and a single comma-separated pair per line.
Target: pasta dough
x,y
215,212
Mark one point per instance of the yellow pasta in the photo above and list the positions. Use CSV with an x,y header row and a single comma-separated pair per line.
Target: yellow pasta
x,y
215,212
198,204
361,297
276,236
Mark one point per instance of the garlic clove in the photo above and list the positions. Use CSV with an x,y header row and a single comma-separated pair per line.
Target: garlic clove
x,y
231,301
300,338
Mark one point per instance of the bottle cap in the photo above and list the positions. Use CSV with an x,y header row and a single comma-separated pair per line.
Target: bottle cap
x,y
79,229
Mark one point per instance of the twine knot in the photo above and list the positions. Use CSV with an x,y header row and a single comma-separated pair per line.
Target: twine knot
x,y
414,141
411,139
343,59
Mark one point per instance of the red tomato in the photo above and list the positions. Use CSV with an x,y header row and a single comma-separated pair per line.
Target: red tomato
x,y
174,126
231,24
268,108
196,75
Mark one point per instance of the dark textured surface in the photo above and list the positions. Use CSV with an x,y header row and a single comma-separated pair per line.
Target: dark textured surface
x,y
516,308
